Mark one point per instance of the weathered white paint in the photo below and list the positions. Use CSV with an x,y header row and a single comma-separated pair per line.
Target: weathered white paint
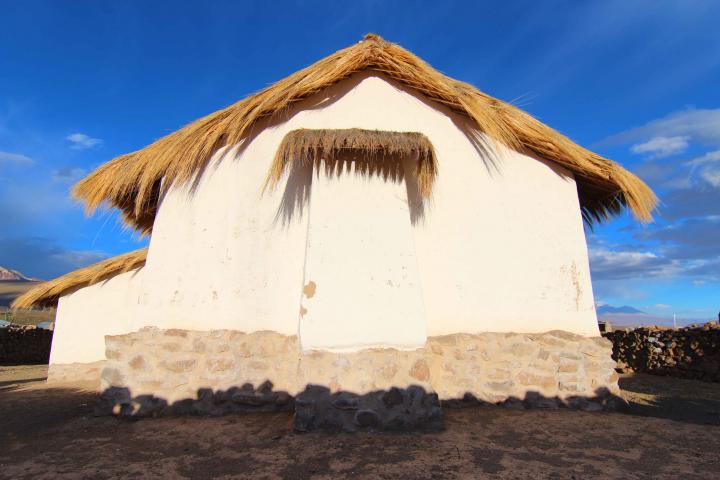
x,y
84,317
362,286
499,248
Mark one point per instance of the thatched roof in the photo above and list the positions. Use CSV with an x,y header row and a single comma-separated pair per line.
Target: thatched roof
x,y
132,182
47,294
309,146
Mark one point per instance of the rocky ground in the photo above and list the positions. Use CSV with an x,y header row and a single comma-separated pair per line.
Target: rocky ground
x,y
670,429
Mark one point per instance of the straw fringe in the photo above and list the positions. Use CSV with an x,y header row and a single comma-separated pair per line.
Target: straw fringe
x,y
309,147
132,182
47,294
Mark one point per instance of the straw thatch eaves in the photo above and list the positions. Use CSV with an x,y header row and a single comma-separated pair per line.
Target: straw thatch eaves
x,y
310,146
132,182
47,294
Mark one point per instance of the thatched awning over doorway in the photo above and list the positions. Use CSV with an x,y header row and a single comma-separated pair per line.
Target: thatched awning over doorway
x,y
368,147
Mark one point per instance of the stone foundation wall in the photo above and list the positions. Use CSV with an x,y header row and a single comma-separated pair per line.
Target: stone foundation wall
x,y
550,369
691,352
21,344
154,372
176,364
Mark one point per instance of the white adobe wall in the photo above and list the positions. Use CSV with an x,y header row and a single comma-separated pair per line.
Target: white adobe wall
x,y
500,248
84,317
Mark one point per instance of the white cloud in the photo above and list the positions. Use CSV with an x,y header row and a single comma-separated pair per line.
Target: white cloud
x,y
80,141
709,157
707,168
16,158
711,175
701,125
612,264
661,306
659,147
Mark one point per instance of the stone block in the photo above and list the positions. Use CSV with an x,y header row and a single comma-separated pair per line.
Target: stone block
x,y
180,366
545,382
568,367
501,387
420,371
137,363
521,349
569,387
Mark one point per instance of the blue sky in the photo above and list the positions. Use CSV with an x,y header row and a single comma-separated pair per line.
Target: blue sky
x,y
637,81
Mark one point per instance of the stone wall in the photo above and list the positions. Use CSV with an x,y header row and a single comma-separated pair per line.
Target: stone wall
x,y
691,352
548,370
177,364
24,344
155,372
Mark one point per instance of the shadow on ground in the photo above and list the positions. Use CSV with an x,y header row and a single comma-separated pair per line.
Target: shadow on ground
x,y
50,432
690,401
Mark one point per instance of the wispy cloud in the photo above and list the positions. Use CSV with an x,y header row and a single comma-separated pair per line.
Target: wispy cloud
x,y
622,264
700,125
693,241
659,147
81,141
68,174
709,157
711,175
692,202
686,248
671,135
707,168
15,158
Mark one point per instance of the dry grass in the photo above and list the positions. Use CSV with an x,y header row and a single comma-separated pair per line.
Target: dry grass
x,y
28,317
132,182
309,147
47,294
10,290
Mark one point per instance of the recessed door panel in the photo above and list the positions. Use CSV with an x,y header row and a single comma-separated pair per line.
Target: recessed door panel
x,y
361,286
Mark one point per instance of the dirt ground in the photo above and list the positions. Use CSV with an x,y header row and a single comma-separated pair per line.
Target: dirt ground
x,y
670,429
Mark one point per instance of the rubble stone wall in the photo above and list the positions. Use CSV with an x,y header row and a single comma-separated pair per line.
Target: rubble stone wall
x,y
153,371
691,352
176,364
549,369
21,344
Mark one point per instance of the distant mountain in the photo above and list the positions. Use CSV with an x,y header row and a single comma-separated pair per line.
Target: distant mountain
x,y
14,275
624,309
625,316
